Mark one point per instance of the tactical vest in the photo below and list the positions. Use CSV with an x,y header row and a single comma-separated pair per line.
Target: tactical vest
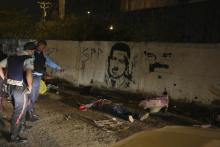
x,y
39,62
15,67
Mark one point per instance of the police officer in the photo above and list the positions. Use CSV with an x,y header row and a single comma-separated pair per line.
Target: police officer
x,y
2,93
40,62
19,80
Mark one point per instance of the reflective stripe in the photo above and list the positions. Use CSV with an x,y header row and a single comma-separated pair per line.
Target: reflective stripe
x,y
22,112
15,82
37,74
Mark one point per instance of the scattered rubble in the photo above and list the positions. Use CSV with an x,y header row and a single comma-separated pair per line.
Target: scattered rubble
x,y
67,117
109,124
52,87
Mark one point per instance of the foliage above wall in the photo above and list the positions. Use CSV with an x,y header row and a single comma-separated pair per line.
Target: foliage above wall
x,y
197,22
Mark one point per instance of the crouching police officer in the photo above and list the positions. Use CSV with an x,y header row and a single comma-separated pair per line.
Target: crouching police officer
x,y
19,80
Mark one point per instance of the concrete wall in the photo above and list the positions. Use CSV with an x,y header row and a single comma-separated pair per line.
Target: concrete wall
x,y
188,71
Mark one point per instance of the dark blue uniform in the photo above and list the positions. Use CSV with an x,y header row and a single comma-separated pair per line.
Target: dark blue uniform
x,y
16,66
39,67
16,83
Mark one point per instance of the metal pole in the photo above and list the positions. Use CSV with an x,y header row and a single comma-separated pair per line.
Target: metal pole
x,y
61,9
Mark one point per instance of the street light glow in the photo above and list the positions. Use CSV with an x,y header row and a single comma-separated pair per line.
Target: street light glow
x,y
111,27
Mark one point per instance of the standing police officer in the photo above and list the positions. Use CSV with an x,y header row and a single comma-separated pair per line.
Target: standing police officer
x,y
19,80
40,62
2,93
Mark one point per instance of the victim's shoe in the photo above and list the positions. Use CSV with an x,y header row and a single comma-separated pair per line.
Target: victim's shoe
x,y
33,117
130,118
144,116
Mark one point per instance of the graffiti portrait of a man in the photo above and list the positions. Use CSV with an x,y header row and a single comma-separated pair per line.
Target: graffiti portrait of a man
x,y
118,73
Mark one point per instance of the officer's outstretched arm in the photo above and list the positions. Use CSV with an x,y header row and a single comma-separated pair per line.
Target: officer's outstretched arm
x,y
29,78
3,64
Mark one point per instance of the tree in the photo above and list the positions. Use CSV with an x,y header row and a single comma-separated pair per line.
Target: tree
x,y
44,5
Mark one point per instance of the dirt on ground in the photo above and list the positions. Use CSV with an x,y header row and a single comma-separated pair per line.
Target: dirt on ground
x,y
57,127
62,124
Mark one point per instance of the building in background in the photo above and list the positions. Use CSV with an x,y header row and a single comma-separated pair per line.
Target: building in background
x,y
131,5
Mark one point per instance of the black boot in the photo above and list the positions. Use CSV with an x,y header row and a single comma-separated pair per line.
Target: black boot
x,y
25,127
32,117
18,139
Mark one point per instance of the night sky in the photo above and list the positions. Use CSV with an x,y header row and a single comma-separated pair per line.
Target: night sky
x,y
19,4
77,6
29,7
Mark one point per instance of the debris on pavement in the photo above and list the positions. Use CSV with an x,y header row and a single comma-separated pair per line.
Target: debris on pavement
x,y
43,87
67,117
114,118
110,125
49,87
52,87
205,126
155,104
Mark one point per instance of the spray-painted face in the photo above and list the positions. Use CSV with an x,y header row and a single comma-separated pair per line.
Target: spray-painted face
x,y
118,64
